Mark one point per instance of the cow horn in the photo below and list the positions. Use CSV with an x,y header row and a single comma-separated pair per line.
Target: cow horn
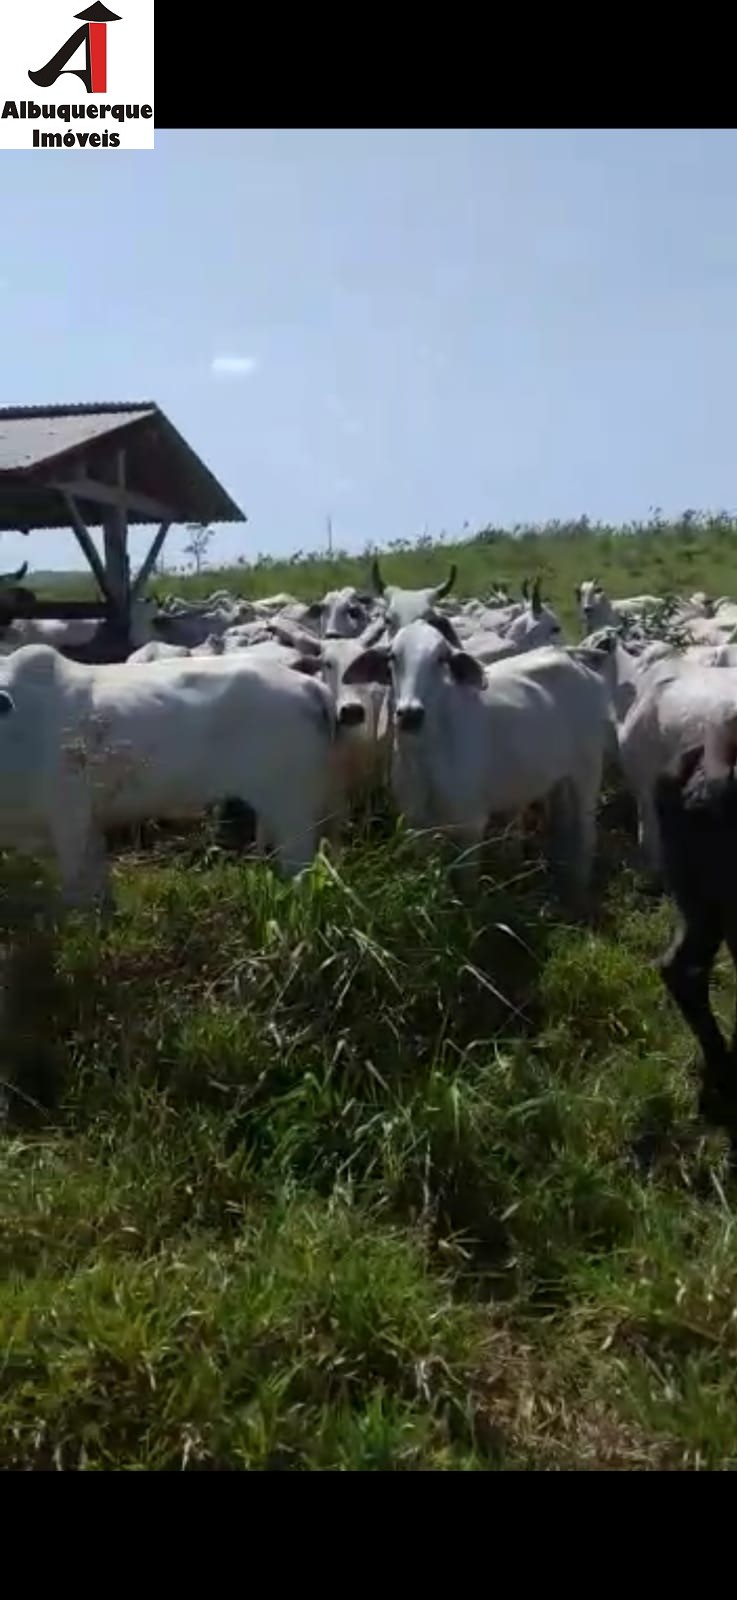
x,y
376,577
536,601
445,588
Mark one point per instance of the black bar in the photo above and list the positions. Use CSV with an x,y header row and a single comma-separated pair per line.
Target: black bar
x,y
65,610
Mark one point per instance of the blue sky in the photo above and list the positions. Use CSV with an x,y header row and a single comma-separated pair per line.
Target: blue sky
x,y
413,328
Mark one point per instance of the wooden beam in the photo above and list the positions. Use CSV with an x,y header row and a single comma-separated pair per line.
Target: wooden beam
x,y
115,533
84,540
147,566
117,496
64,609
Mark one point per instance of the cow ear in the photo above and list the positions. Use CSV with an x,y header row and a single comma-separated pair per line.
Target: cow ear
x,y
443,625
372,633
315,609
310,665
372,666
7,703
365,597
466,669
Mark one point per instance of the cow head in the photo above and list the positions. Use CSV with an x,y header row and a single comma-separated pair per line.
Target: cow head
x,y
536,625
344,613
404,606
420,658
592,603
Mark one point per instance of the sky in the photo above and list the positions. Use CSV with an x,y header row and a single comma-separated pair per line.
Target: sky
x,y
406,330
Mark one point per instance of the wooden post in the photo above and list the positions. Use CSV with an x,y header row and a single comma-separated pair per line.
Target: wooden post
x,y
84,540
115,530
148,564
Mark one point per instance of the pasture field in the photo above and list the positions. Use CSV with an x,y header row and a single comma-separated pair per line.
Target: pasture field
x,y
348,1175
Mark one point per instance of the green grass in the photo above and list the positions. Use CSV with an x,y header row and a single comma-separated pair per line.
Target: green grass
x,y
696,552
349,1175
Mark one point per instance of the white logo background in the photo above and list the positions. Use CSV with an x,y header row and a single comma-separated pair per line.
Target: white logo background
x,y
32,31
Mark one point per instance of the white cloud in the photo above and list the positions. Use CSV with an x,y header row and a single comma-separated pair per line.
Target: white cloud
x,y
233,366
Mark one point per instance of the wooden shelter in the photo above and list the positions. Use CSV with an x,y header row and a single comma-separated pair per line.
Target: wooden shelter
x,y
102,466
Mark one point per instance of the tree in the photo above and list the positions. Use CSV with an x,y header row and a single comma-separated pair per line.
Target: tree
x,y
200,537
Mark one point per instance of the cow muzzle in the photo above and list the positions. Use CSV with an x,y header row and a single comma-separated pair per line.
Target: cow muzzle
x,y
351,714
410,717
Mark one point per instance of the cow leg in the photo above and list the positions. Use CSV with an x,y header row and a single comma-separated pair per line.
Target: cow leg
x,y
719,1096
576,802
237,826
563,839
648,834
291,833
730,936
465,869
82,861
686,969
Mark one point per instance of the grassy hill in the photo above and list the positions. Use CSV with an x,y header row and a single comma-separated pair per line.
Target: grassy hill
x,y
699,551
348,1175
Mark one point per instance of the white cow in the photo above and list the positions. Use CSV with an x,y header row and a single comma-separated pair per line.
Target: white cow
x,y
76,632
703,655
632,660
496,619
271,650
725,613
156,650
361,714
246,634
535,625
194,627
472,742
407,605
271,603
341,614
598,611
663,706
85,748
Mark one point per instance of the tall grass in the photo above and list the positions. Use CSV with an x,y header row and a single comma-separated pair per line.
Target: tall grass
x,y
696,551
349,1174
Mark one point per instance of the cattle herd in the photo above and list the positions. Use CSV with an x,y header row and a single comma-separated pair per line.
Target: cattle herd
x,y
466,710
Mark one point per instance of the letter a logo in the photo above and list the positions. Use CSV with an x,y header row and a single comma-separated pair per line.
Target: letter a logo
x,y
93,34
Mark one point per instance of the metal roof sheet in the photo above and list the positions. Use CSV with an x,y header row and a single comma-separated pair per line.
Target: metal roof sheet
x,y
35,440
31,435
